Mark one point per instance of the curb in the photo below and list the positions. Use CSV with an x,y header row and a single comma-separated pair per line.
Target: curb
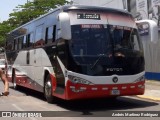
x,y
153,82
149,97
152,91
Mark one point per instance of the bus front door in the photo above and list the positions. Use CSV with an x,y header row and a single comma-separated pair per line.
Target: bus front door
x,y
60,66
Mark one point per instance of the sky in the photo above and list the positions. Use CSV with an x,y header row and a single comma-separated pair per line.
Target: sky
x,y
7,6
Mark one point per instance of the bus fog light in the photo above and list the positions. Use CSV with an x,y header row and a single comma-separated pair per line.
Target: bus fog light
x,y
73,89
141,86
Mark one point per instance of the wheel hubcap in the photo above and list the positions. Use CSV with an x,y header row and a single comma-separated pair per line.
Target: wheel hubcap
x,y
48,88
14,82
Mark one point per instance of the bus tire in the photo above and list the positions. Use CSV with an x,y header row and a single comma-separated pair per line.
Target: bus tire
x,y
48,89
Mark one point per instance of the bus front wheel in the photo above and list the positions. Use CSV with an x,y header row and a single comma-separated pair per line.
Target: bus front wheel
x,y
48,89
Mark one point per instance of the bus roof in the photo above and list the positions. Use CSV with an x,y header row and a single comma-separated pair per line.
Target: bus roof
x,y
67,8
93,8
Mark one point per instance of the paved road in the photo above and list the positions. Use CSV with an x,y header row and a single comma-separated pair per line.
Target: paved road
x,y
28,100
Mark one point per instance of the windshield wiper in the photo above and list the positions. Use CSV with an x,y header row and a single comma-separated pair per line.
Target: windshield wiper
x,y
95,63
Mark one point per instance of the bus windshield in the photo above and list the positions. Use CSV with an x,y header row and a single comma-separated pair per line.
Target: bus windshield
x,y
105,46
93,40
125,38
89,41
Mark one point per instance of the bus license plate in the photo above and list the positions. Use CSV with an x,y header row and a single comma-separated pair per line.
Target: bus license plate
x,y
115,92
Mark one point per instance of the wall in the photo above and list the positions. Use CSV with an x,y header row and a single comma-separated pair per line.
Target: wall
x,y
148,9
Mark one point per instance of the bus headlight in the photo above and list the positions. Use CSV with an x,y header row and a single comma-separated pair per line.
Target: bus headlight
x,y
142,78
75,80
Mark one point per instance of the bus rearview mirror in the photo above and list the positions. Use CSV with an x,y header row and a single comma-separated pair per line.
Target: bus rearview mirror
x,y
149,26
65,26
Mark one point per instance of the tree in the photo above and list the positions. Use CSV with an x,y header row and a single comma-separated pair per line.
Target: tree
x,y
32,10
5,27
25,13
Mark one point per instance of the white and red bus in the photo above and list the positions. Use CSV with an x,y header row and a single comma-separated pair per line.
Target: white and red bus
x,y
78,52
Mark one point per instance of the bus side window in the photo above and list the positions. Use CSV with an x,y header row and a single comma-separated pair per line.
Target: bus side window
x,y
24,44
31,43
16,44
50,34
20,43
39,36
54,33
46,36
29,40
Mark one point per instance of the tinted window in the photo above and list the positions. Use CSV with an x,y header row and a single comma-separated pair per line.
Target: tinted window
x,y
25,42
30,40
39,36
16,44
20,42
125,38
90,40
50,34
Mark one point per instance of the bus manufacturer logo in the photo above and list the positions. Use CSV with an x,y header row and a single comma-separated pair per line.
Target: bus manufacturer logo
x,y
114,69
115,79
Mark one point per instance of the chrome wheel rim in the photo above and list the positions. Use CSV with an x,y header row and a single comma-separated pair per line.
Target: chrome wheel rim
x,y
48,88
14,82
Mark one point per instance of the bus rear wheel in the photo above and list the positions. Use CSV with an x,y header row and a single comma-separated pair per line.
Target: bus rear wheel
x,y
48,90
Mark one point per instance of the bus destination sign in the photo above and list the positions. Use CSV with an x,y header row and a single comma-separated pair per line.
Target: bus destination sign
x,y
88,16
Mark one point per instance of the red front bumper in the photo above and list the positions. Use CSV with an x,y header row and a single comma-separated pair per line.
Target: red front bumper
x,y
79,91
